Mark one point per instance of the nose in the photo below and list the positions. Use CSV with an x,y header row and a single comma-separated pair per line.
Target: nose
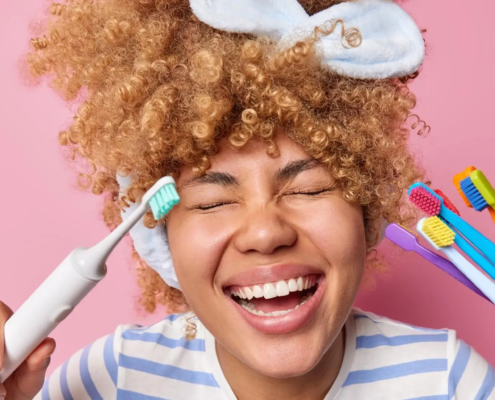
x,y
265,231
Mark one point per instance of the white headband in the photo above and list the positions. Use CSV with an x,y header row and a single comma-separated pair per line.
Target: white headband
x,y
391,46
150,244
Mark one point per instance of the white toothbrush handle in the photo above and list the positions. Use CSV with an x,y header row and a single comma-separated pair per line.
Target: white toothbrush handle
x,y
44,310
472,273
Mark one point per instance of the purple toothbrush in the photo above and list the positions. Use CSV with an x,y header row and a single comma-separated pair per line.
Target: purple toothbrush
x,y
405,239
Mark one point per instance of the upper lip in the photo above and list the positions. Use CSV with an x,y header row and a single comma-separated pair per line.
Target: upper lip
x,y
271,273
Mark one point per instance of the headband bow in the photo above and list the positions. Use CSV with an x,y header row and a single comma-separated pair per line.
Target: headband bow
x,y
392,45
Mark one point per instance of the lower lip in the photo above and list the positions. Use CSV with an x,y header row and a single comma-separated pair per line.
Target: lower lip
x,y
285,323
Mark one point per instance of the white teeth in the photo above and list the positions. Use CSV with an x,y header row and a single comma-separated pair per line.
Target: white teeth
x,y
269,291
275,289
292,285
305,299
249,293
257,291
282,288
248,306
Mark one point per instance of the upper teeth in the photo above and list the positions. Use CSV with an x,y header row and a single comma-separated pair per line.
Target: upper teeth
x,y
275,289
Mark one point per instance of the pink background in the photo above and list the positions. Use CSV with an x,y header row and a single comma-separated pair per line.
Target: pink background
x,y
45,217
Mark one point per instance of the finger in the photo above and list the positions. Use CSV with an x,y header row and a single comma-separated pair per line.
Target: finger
x,y
28,379
5,314
44,350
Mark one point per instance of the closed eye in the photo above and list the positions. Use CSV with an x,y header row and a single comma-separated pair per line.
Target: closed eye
x,y
206,207
311,193
212,206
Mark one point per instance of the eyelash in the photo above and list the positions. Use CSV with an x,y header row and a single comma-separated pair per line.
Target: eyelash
x,y
211,206
311,193
215,205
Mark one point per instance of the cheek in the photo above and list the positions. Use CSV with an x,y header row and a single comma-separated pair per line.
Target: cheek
x,y
336,229
197,244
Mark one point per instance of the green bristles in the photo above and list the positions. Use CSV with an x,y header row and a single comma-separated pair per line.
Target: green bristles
x,y
163,201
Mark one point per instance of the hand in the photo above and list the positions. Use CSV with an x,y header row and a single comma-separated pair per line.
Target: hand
x,y
27,380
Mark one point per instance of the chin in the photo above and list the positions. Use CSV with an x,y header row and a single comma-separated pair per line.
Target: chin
x,y
286,357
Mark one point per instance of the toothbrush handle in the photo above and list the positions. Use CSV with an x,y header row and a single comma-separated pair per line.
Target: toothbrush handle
x,y
491,210
40,314
449,268
483,244
474,255
468,269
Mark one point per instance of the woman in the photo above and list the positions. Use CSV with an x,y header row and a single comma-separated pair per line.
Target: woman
x,y
287,137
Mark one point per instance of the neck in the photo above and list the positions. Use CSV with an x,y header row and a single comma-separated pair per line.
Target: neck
x,y
248,383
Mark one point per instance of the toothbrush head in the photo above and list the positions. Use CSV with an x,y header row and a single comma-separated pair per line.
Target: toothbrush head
x,y
162,197
436,232
473,195
457,183
478,191
447,203
425,199
401,236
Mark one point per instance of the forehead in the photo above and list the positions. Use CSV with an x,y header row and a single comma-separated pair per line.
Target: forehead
x,y
252,156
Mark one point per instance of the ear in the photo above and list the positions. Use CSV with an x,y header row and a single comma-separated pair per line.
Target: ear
x,y
391,42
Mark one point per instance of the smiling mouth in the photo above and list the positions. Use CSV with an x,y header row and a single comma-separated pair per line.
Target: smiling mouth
x,y
275,298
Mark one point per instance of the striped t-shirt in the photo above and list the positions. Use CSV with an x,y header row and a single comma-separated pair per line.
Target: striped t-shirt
x,y
384,360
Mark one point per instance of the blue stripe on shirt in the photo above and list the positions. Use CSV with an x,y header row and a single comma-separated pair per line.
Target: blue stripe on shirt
x,y
158,338
370,342
167,371
109,359
86,376
488,384
396,371
458,368
173,317
128,395
45,392
63,382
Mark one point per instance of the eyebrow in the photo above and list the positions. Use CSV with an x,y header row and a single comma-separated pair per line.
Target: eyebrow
x,y
294,168
288,172
212,178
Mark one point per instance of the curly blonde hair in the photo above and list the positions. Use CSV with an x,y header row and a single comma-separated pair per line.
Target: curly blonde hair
x,y
158,89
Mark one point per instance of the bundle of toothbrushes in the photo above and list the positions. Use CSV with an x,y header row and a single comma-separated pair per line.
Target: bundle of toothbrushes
x,y
443,228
